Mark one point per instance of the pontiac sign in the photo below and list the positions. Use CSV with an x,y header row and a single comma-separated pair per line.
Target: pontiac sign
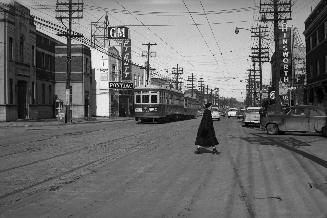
x,y
118,32
120,85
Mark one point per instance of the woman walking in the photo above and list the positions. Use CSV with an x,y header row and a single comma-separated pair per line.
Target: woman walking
x,y
206,136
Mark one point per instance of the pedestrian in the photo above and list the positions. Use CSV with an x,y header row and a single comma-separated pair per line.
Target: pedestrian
x,y
206,136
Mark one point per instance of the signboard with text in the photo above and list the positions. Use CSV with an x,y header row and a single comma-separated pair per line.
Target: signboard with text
x,y
120,85
127,58
118,32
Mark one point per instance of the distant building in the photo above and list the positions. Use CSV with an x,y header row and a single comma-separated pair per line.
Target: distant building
x,y
81,79
316,55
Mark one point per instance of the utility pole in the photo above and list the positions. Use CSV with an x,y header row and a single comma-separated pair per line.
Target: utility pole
x,y
191,79
148,61
201,86
260,54
280,11
73,9
177,71
207,93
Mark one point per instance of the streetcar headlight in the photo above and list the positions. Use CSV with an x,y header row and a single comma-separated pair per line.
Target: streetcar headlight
x,y
138,109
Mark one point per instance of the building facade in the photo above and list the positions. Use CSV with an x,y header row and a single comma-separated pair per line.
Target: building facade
x,y
82,79
26,66
316,55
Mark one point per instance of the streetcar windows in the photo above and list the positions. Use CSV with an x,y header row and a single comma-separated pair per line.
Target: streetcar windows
x,y
145,99
138,99
154,99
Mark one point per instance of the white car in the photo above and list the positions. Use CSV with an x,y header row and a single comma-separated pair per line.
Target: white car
x,y
232,112
215,113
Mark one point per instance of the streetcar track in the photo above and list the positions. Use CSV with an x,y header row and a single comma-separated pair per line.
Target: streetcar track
x,y
20,190
69,152
113,153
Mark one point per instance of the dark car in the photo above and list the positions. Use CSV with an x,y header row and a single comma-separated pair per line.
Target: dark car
x,y
301,118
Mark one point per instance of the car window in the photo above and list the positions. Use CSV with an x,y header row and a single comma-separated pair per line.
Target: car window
x,y
298,112
316,112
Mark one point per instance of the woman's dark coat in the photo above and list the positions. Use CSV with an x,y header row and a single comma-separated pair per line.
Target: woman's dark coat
x,y
206,136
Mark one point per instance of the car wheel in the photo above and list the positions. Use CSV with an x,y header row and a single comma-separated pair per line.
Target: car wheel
x,y
272,129
324,131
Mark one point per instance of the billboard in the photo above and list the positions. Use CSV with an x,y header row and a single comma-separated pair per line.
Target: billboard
x,y
118,32
127,60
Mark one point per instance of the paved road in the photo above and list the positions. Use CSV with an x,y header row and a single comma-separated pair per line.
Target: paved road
x,y
125,169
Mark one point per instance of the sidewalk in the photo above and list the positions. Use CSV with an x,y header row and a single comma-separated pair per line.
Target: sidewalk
x,y
55,122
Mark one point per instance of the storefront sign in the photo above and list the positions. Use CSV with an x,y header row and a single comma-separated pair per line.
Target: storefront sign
x,y
120,85
285,48
127,58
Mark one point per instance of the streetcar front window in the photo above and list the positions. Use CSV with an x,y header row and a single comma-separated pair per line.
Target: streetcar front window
x,y
154,98
145,99
138,99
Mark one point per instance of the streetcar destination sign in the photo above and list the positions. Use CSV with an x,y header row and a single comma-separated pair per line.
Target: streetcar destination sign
x,y
118,32
120,85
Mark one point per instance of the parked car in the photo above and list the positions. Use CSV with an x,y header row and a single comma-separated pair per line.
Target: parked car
x,y
215,113
301,118
232,112
252,116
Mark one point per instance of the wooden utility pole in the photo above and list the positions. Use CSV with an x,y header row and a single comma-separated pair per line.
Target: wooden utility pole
x,y
68,11
177,71
260,54
192,86
148,61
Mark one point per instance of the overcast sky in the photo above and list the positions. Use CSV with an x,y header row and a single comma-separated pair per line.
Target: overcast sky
x,y
209,49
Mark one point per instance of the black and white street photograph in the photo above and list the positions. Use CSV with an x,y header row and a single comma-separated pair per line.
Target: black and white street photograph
x,y
163,108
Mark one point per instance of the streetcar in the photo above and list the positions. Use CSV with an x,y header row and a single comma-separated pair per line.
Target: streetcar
x,y
161,104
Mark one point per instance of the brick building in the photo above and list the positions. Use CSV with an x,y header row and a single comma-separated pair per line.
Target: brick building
x,y
316,55
26,66
82,79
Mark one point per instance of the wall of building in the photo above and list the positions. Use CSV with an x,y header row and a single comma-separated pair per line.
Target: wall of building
x,y
81,77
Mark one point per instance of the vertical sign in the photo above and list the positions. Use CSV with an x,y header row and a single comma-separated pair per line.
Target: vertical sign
x,y
126,55
286,62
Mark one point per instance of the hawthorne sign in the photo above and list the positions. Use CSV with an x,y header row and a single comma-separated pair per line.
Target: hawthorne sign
x,y
120,85
118,32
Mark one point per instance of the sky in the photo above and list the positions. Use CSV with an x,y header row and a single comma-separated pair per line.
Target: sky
x,y
198,35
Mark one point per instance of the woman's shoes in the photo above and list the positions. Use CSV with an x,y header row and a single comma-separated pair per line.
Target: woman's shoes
x,y
197,151
214,151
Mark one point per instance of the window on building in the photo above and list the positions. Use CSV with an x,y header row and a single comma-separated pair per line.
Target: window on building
x,y
325,63
50,94
42,60
318,67
21,48
33,93
11,49
310,42
86,66
317,36
33,55
43,94
325,30
11,91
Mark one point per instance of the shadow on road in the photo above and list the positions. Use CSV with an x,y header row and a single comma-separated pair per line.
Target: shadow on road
x,y
290,144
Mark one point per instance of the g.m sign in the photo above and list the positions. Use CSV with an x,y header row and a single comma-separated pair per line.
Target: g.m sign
x,y
118,32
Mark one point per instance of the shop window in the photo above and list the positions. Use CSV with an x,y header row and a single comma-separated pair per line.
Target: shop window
x,y
21,48
43,94
11,91
11,49
33,92
50,94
